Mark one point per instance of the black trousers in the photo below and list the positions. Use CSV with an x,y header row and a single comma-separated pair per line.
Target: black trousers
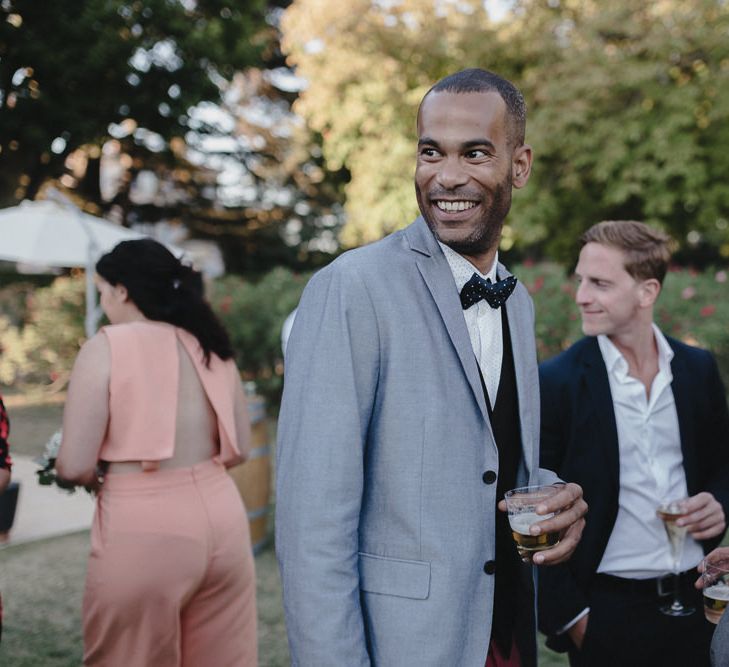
x,y
627,629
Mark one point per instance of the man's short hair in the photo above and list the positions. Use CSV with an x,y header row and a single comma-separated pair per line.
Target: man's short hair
x,y
475,80
647,250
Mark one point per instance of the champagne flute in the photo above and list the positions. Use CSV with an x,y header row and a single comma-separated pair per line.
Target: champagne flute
x,y
669,512
521,504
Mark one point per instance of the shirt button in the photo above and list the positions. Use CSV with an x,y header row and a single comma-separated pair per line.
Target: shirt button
x,y
489,567
489,477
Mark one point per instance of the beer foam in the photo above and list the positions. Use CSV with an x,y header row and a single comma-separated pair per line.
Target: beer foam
x,y
520,523
718,592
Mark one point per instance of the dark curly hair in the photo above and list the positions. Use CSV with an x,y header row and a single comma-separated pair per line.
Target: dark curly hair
x,y
165,289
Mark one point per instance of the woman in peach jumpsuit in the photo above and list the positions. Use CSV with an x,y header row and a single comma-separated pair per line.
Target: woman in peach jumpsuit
x,y
155,413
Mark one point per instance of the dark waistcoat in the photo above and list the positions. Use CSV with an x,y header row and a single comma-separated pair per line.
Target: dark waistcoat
x,y
504,417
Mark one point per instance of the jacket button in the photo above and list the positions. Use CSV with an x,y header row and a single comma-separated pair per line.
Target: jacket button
x,y
489,477
489,567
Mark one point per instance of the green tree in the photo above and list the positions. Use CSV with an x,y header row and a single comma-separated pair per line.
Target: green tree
x,y
628,107
629,121
68,70
367,65
188,93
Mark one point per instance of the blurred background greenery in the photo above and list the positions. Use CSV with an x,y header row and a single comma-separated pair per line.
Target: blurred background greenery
x,y
43,326
281,133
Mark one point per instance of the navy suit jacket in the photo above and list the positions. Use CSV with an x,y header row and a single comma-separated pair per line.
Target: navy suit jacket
x,y
579,442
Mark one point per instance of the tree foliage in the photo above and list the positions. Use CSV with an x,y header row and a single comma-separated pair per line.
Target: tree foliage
x,y
368,64
179,94
70,69
273,202
628,107
630,122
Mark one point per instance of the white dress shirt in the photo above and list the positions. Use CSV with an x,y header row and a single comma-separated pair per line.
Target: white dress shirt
x,y
651,468
483,322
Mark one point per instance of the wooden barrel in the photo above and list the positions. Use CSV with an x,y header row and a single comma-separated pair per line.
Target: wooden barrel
x,y
253,478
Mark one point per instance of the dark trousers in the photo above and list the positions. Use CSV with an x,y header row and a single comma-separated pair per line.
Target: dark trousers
x,y
627,629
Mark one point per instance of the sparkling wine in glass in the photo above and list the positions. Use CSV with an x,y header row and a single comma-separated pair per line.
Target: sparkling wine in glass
x,y
669,512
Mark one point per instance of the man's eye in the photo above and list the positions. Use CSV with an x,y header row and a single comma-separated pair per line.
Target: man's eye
x,y
476,154
428,152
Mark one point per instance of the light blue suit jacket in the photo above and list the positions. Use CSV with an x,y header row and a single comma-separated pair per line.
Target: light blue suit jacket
x,y
383,520
720,643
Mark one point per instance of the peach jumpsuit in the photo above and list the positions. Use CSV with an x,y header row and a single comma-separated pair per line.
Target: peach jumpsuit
x,y
170,579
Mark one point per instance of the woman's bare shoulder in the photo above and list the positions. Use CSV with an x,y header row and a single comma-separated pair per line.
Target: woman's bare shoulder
x,y
94,353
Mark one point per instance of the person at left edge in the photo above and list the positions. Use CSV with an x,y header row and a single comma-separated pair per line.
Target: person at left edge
x,y
405,418
5,466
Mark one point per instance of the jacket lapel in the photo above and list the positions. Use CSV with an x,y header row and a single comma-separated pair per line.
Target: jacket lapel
x,y
518,312
438,277
680,386
598,388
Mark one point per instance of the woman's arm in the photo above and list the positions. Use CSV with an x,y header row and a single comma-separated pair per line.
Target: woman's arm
x,y
86,414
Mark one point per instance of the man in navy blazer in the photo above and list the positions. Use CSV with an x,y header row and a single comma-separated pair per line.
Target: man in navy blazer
x,y
398,436
635,417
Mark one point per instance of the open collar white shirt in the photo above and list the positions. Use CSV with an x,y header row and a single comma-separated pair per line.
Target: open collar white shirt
x,y
651,468
483,321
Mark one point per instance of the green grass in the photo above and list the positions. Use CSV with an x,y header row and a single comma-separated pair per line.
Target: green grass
x,y
42,586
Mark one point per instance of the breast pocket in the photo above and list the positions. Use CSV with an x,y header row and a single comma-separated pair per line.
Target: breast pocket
x,y
394,576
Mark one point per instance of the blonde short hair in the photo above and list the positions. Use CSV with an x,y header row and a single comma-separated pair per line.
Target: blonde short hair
x,y
647,250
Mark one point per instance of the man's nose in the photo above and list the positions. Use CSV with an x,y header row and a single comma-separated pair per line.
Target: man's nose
x,y
582,295
451,174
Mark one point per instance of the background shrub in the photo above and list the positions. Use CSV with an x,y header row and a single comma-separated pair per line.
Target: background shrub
x,y
254,313
40,348
41,329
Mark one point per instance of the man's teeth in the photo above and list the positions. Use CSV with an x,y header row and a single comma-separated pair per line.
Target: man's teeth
x,y
453,206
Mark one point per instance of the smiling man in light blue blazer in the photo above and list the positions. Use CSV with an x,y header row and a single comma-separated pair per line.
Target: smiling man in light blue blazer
x,y
410,406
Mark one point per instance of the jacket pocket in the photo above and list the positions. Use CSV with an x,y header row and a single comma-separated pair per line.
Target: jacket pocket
x,y
394,576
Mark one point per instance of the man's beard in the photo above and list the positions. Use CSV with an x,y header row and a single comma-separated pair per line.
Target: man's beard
x,y
488,232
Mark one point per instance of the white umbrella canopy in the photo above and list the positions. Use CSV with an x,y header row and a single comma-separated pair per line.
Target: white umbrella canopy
x,y
53,234
58,234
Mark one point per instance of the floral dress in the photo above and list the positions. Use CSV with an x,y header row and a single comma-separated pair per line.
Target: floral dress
x,y
5,462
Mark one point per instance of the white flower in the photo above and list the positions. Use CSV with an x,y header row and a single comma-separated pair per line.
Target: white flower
x,y
50,452
53,445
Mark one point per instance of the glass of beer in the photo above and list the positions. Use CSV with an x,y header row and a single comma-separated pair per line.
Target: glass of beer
x,y
669,512
715,583
521,505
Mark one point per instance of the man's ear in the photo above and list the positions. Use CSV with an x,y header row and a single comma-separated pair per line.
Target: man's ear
x,y
649,291
521,165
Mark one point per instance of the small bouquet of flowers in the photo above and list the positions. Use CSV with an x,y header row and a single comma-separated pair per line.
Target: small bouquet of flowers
x,y
47,474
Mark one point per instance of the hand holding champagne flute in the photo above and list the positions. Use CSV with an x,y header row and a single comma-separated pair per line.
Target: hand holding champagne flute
x,y
669,512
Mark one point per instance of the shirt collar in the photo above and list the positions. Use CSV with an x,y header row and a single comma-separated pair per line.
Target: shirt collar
x,y
462,269
615,361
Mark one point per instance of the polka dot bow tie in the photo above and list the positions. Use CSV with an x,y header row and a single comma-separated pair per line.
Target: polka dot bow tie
x,y
495,294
